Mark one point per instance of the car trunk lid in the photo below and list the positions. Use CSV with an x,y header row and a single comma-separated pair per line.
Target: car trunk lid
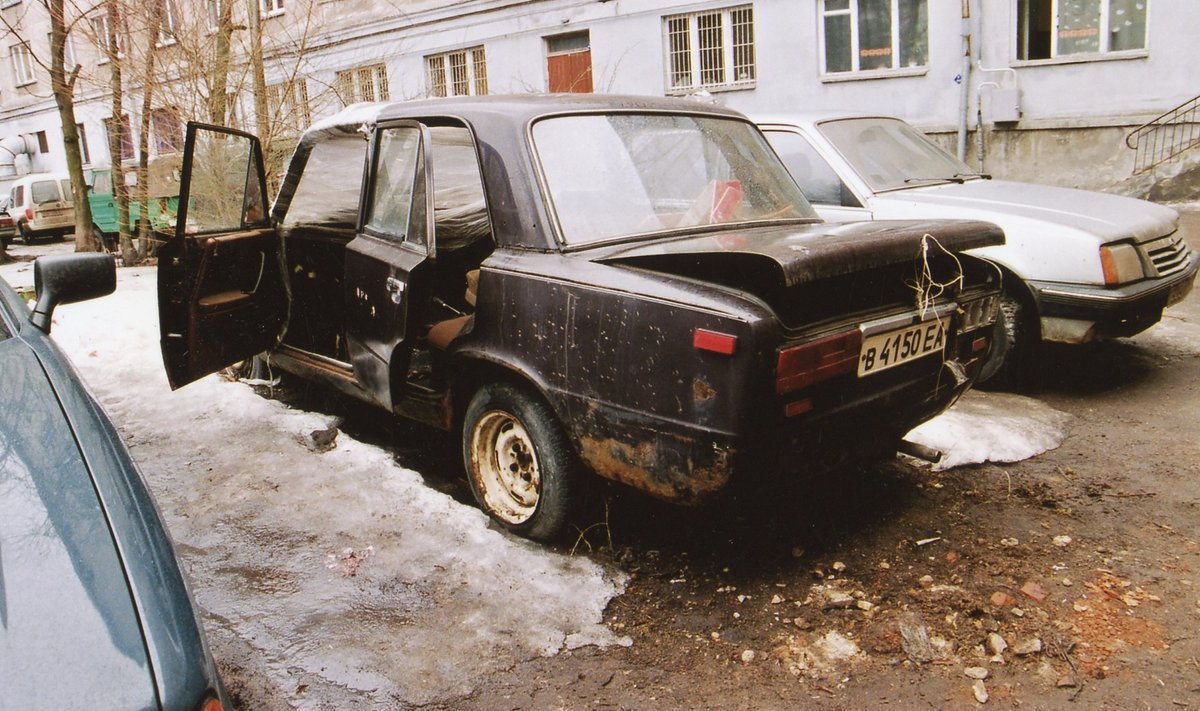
x,y
813,252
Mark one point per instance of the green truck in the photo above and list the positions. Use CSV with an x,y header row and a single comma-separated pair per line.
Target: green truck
x,y
163,207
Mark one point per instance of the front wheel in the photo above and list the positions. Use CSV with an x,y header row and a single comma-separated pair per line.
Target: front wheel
x,y
519,462
1011,344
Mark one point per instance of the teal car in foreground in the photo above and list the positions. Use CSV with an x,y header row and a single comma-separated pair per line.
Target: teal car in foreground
x,y
94,610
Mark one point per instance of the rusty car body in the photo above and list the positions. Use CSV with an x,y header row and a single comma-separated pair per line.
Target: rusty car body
x,y
625,285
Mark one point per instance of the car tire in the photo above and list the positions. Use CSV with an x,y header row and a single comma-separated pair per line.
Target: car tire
x,y
520,465
23,234
1012,341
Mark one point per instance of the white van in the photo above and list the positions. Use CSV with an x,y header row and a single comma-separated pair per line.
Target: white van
x,y
41,206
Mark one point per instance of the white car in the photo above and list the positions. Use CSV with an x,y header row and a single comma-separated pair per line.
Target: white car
x,y
1078,265
41,205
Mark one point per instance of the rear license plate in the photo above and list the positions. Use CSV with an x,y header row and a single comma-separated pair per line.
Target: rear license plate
x,y
892,348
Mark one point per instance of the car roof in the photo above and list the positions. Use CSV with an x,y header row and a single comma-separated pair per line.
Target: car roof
x,y
514,107
811,118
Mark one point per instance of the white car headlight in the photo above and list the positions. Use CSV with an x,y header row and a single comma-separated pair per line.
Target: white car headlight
x,y
1121,264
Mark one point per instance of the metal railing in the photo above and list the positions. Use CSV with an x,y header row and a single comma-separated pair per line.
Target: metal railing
x,y
1166,136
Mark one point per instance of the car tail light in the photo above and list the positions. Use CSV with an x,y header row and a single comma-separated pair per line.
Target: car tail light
x,y
29,213
705,340
212,705
818,360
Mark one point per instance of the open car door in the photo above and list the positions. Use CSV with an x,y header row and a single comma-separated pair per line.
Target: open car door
x,y
386,263
221,292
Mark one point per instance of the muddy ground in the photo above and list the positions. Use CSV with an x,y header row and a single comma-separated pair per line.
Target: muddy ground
x,y
1068,580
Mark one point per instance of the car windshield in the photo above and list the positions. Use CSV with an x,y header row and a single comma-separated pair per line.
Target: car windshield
x,y
889,154
618,175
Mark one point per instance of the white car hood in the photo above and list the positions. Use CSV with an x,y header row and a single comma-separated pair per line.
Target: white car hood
x,y
1108,217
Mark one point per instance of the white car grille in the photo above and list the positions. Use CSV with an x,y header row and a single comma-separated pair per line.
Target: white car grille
x,y
1169,254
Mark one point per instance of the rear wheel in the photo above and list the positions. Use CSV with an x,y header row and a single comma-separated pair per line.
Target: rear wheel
x,y
23,233
519,463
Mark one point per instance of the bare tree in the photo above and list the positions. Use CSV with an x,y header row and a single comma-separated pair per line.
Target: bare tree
x,y
62,86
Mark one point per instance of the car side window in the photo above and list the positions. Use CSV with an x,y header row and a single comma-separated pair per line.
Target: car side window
x,y
223,188
328,189
821,185
397,160
102,184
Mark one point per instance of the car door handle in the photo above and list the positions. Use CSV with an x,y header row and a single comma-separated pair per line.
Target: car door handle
x,y
395,287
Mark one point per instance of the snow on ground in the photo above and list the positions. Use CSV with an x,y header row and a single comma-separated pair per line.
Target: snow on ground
x,y
340,575
992,427
329,573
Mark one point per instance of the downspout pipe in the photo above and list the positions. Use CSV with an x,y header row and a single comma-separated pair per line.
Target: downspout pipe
x,y
964,81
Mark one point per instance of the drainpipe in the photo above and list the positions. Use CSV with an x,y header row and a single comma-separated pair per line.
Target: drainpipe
x,y
10,148
964,81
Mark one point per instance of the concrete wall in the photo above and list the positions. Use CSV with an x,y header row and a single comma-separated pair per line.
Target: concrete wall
x,y
1075,113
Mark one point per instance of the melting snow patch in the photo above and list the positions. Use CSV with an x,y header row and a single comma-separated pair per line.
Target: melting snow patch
x,y
992,427
328,569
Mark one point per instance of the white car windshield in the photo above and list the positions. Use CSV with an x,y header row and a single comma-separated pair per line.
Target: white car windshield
x,y
889,154
612,176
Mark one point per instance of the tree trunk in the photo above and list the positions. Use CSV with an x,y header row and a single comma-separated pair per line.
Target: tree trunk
x,y
142,195
258,76
116,132
218,92
63,88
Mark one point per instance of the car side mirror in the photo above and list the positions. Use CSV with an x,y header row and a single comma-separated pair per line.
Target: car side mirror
x,y
67,278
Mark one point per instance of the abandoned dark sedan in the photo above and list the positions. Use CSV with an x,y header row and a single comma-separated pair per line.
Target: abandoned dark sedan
x,y
94,610
629,286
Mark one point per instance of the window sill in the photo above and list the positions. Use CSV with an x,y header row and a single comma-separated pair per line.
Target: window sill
x,y
1084,58
693,90
165,43
20,84
273,13
872,74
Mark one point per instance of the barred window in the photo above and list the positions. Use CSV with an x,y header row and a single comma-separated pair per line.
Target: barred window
x,y
866,35
289,101
367,83
459,73
710,50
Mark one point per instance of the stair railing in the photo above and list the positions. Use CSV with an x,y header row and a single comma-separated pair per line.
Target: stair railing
x,y
1166,136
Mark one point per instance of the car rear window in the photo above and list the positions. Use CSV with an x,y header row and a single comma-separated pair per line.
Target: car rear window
x,y
44,191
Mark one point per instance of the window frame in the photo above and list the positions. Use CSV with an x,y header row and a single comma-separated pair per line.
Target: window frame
x,y
856,71
1102,55
441,77
695,51
22,64
271,8
167,139
348,83
168,26
291,96
100,27
128,144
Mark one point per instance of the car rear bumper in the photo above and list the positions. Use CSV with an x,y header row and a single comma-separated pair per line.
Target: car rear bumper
x,y
1074,313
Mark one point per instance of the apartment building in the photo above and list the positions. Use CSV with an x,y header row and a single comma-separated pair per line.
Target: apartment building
x,y
1054,84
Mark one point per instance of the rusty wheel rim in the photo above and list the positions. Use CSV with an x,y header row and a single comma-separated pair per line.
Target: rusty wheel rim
x,y
506,467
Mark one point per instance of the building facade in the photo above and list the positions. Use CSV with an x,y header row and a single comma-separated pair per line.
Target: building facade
x,y
1055,85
